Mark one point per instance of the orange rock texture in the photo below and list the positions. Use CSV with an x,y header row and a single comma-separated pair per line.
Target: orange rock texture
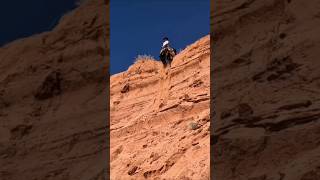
x,y
53,106
266,86
160,117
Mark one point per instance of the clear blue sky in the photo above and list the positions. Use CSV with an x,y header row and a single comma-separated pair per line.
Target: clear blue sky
x,y
138,26
23,18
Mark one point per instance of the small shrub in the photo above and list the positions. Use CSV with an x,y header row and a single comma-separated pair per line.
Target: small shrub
x,y
142,58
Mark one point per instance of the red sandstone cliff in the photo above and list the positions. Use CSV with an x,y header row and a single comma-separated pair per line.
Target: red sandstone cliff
x,y
266,90
53,126
160,119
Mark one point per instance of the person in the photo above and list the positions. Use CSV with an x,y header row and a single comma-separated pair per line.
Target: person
x,y
166,46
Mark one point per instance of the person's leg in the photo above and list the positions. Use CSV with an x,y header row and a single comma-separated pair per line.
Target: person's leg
x,y
170,57
162,58
169,61
164,62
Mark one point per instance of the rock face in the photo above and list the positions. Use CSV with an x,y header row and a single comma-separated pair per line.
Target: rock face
x,y
266,87
160,118
53,106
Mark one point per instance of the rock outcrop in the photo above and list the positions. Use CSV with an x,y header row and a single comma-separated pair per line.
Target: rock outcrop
x,y
53,106
160,118
266,87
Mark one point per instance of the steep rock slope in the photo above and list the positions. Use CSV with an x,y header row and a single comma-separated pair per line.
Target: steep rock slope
x,y
53,126
160,118
266,89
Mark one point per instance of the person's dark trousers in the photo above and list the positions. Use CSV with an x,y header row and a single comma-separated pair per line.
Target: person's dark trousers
x,y
163,58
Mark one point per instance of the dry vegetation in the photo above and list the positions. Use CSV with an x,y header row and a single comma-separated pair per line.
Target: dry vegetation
x,y
143,58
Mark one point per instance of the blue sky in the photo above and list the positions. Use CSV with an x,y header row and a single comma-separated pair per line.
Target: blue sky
x,y
27,17
137,27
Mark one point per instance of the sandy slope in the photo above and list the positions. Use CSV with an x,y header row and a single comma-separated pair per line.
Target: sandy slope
x,y
267,89
52,100
160,118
